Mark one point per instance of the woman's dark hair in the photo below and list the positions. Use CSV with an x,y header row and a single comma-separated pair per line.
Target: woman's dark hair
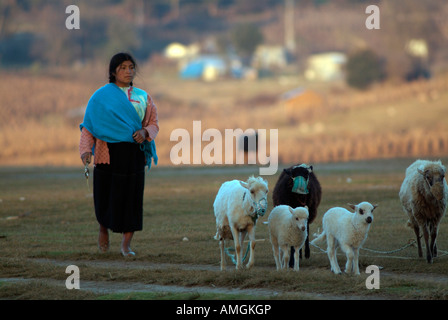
x,y
116,60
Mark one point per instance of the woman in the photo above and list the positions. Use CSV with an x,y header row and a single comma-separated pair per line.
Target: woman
x,y
119,128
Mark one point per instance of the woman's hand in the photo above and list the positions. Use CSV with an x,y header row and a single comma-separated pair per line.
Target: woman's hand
x,y
140,135
86,157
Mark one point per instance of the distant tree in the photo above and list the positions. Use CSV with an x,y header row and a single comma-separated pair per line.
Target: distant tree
x,y
363,68
121,36
16,49
245,38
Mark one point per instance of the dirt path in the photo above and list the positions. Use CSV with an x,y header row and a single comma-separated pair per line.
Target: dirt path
x,y
104,287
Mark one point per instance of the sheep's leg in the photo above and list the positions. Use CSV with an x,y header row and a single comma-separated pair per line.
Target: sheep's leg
x,y
237,244
419,244
356,261
280,256
434,252
275,252
433,240
331,251
307,250
296,257
291,257
434,231
428,248
238,254
223,255
251,232
307,241
285,257
350,256
242,237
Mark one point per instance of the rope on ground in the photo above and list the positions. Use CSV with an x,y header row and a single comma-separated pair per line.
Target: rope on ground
x,y
232,256
410,243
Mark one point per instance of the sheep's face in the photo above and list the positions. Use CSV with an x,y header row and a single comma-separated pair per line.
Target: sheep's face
x,y
300,217
434,177
364,211
300,175
299,170
258,191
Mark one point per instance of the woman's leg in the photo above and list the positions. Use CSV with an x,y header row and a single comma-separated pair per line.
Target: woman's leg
x,y
126,244
103,239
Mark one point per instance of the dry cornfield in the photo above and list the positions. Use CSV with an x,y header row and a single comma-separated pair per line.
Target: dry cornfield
x,y
39,122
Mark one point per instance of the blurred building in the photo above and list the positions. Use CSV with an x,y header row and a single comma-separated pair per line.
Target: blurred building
x,y
327,66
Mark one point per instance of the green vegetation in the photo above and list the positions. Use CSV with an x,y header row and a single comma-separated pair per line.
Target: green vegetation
x,y
364,68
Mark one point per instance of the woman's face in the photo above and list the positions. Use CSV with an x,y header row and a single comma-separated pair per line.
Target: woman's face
x,y
124,74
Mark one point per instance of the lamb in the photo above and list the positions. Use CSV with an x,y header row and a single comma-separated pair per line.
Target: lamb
x,y
349,231
287,228
424,196
297,186
237,206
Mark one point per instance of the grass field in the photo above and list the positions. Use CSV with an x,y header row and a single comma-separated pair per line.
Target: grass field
x,y
47,222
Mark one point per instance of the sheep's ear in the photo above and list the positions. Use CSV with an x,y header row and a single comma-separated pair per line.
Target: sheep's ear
x,y
310,169
291,210
306,207
353,206
244,184
374,207
422,171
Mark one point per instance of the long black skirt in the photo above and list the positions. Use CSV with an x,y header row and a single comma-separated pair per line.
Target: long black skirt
x,y
118,188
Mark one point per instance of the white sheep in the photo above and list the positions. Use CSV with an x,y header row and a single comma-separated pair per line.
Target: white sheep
x,y
287,228
237,206
424,196
349,231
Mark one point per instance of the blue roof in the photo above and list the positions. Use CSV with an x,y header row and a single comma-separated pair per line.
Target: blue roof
x,y
196,67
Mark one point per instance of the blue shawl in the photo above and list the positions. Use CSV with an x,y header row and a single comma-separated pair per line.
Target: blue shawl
x,y
111,117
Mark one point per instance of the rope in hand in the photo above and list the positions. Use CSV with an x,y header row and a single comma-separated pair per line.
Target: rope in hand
x,y
87,173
